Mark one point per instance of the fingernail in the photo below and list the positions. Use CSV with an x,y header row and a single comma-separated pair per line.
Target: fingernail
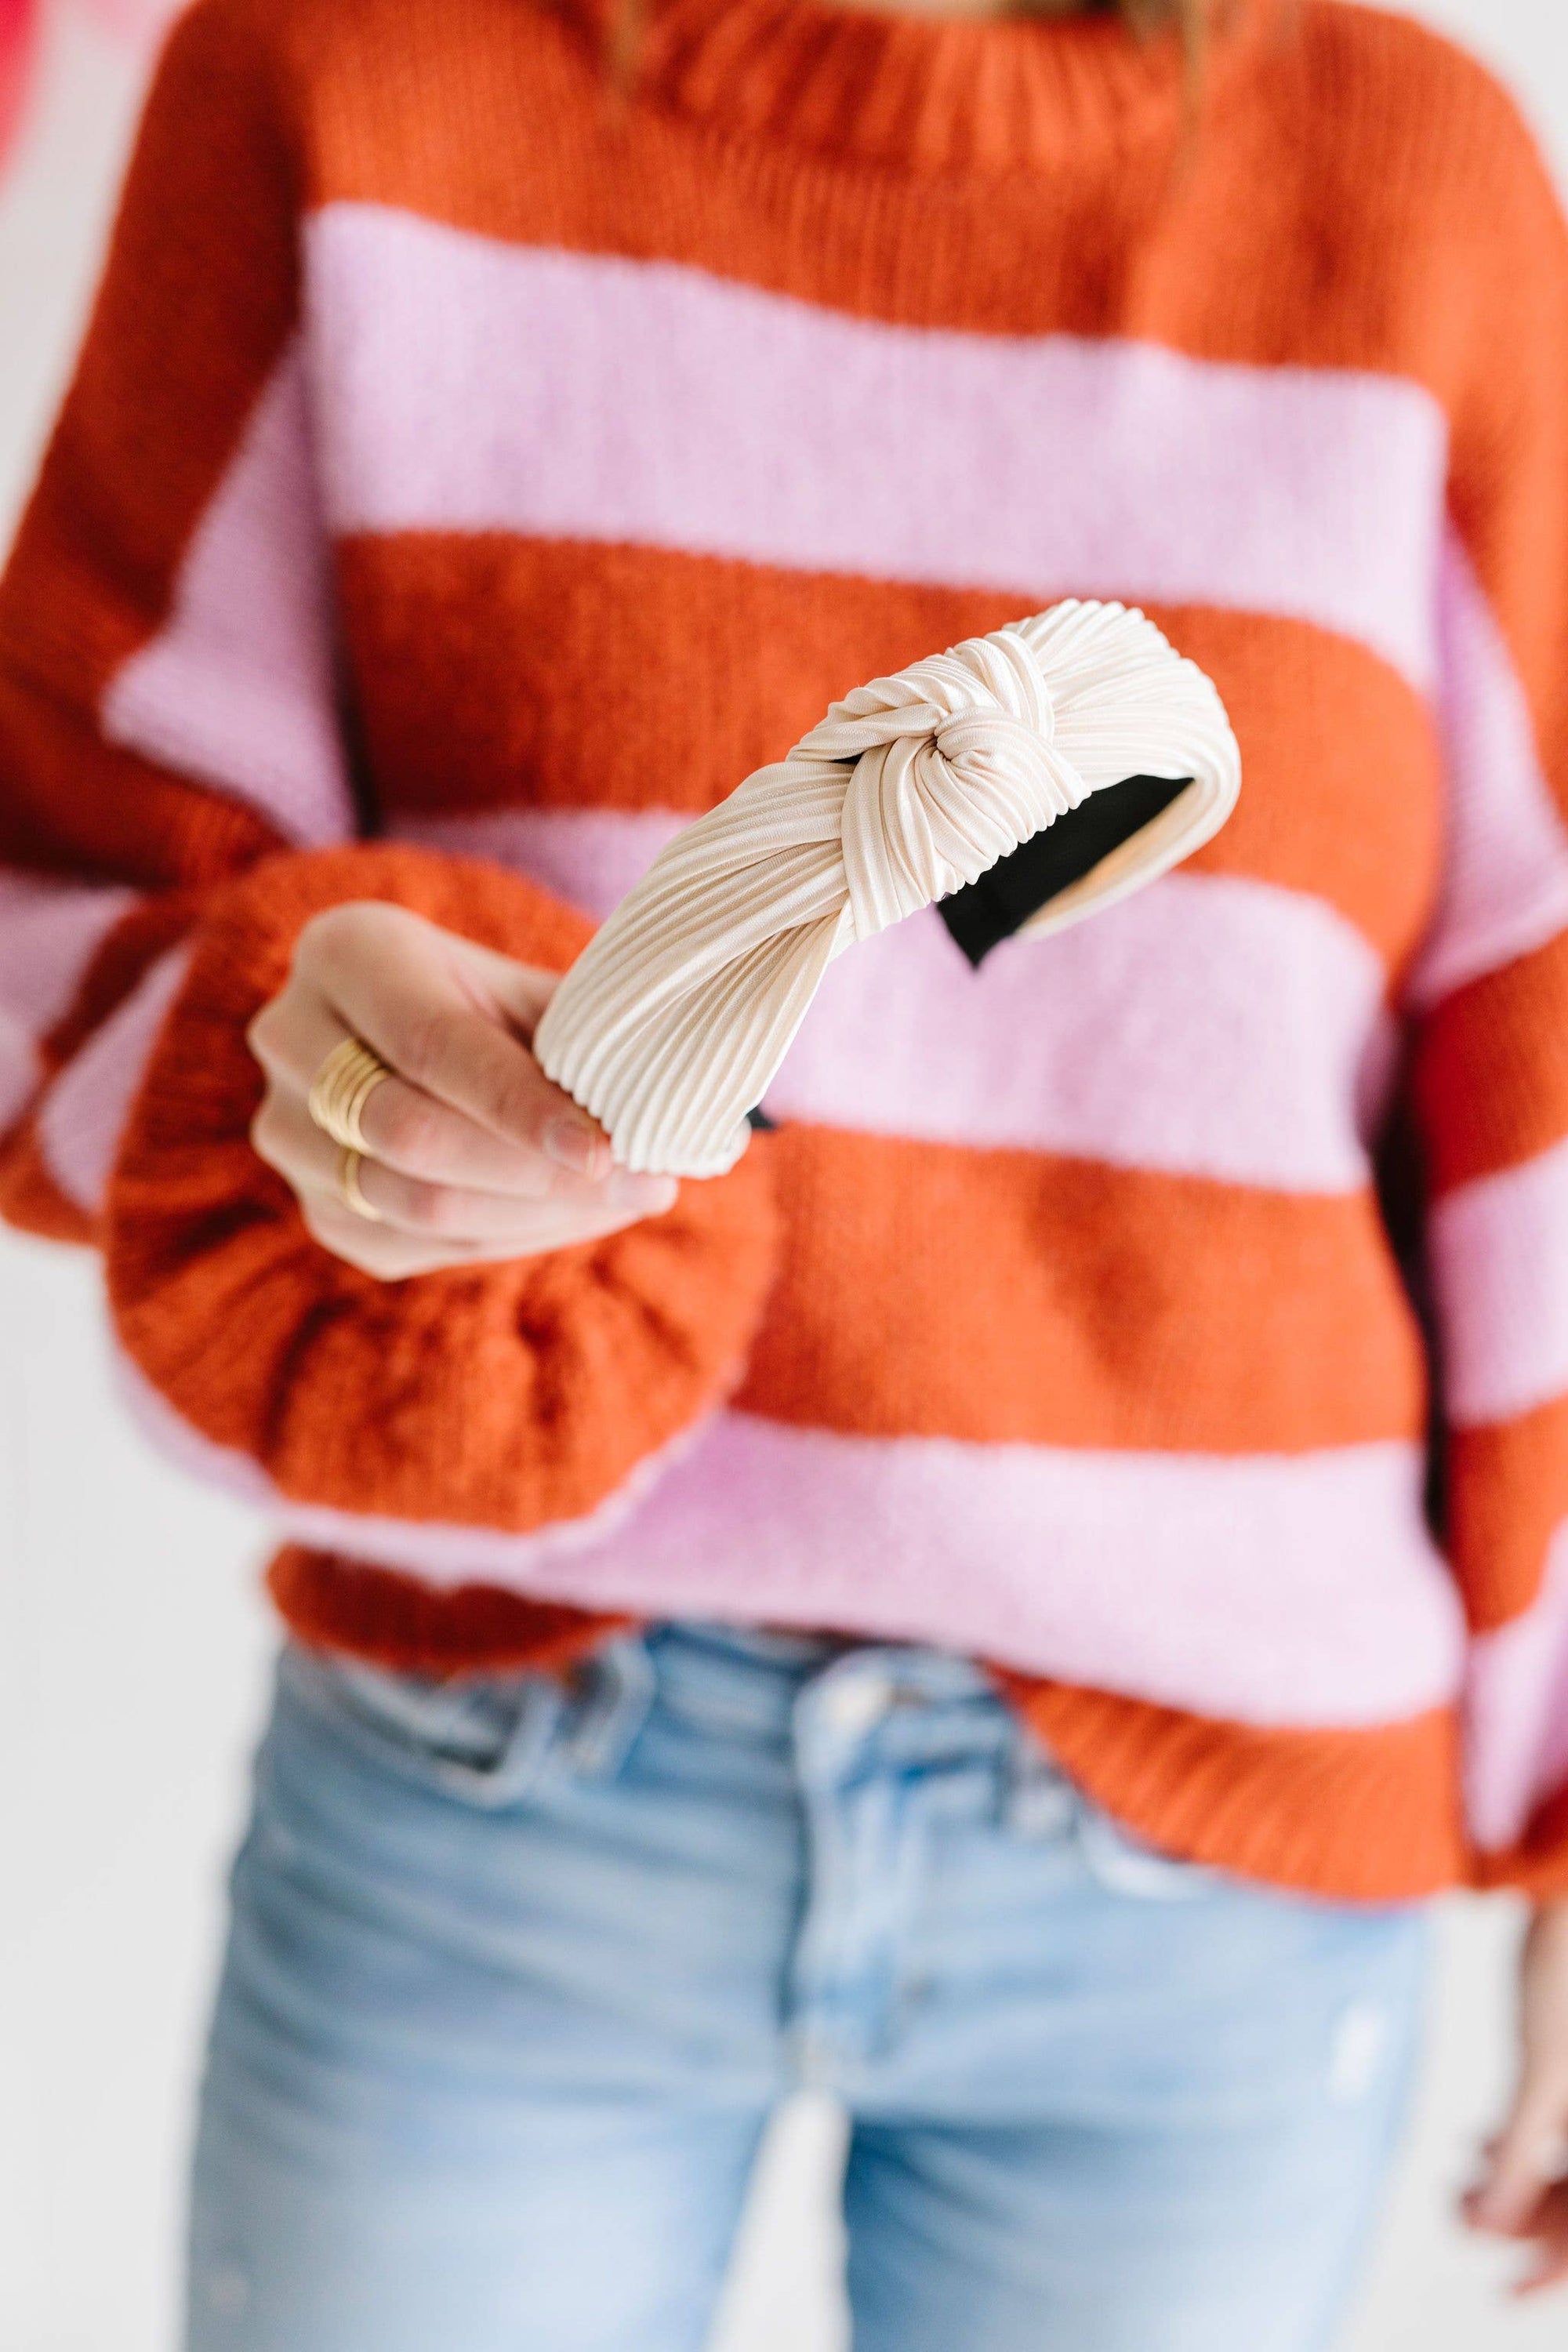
x,y
572,1143
649,1195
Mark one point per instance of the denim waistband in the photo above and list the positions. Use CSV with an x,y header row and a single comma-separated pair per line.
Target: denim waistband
x,y
760,1679
840,1708
835,1704
769,1645
798,1658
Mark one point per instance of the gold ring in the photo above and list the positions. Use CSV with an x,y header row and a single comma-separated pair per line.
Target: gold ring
x,y
340,1089
349,1186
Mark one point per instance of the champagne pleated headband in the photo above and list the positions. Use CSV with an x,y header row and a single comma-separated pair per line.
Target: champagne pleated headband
x,y
672,1023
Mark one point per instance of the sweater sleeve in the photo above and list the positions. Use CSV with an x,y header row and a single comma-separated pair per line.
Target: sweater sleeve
x,y
429,1421
167,694
1490,1045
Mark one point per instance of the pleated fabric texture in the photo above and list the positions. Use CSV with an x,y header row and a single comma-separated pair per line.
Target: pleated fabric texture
x,y
672,1023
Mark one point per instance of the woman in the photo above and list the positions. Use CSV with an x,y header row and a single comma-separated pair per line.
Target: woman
x,y
947,1610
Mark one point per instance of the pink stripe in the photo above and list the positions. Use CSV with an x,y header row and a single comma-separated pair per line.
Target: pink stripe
x,y
1500,1255
611,399
49,933
85,1111
590,858
1505,884
1209,1026
1516,1709
1263,1588
237,688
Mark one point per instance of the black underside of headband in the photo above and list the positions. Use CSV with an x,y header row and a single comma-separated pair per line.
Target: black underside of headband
x,y
985,913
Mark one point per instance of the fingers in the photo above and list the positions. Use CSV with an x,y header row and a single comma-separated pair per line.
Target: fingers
x,y
471,1154
1523,2190
1519,2164
1543,2225
450,1220
405,1126
1520,2194
413,1133
452,1019
1549,2243
406,1130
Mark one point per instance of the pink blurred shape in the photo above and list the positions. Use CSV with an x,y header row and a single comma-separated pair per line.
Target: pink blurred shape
x,y
138,23
18,46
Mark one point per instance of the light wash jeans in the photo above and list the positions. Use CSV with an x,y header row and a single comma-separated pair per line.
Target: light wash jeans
x,y
516,1975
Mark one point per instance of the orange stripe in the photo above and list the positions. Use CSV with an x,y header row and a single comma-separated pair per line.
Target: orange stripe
x,y
1359,1816
579,667
73,805
1489,1076
1508,1497
373,1613
925,1289
29,1197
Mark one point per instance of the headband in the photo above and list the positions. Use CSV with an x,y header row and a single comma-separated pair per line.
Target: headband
x,y
672,1023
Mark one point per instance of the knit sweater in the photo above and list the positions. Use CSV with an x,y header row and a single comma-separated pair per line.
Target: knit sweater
x,y
470,474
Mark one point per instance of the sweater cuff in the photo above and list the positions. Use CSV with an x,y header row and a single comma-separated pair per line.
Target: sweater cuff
x,y
510,1396
72,1078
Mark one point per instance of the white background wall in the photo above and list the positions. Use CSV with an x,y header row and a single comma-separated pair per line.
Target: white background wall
x,y
133,1650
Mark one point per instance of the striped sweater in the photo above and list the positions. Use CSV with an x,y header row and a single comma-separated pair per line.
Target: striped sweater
x,y
470,474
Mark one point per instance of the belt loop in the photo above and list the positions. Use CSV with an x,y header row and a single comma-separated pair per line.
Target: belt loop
x,y
617,1693
540,1707
1038,1801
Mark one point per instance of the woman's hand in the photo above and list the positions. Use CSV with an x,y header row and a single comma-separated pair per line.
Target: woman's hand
x,y
473,1154
1523,2191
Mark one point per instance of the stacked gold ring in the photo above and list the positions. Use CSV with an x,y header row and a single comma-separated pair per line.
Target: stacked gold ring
x,y
340,1089
350,1189
339,1093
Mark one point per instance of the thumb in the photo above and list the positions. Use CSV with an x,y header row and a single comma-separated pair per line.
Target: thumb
x,y
1518,2164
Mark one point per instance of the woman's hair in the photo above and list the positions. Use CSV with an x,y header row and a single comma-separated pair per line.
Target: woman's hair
x,y
1191,18
1147,16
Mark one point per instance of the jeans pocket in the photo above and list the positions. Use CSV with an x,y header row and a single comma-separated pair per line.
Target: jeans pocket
x,y
478,1738
482,1740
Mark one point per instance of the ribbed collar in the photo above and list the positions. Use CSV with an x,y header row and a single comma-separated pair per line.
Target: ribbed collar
x,y
927,93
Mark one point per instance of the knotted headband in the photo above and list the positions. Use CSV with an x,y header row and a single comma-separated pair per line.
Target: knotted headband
x,y
672,1022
